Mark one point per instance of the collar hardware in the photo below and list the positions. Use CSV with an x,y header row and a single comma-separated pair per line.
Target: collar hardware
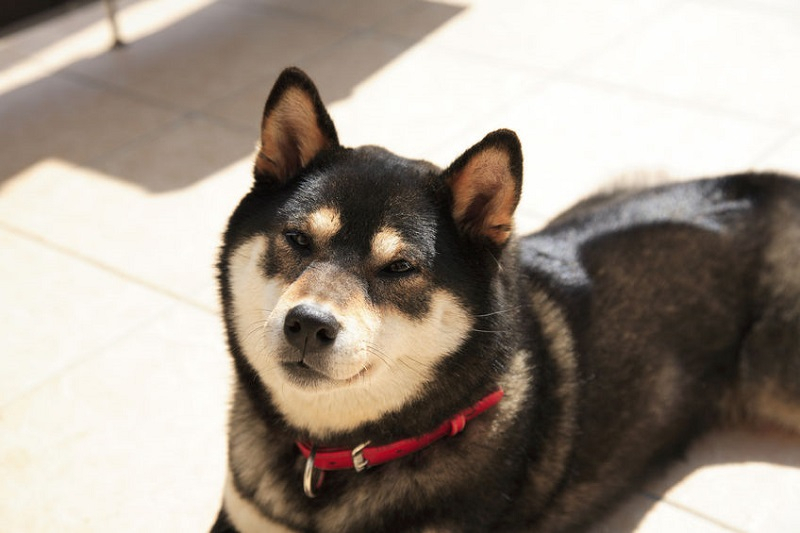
x,y
359,462
308,475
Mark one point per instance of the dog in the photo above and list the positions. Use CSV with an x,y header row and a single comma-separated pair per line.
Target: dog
x,y
403,362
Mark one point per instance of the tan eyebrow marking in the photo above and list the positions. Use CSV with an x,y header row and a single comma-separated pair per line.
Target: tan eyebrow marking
x,y
387,244
324,223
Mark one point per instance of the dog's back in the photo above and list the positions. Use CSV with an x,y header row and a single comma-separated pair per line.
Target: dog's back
x,y
684,305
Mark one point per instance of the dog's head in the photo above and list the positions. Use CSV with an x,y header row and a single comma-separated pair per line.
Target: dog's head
x,y
352,278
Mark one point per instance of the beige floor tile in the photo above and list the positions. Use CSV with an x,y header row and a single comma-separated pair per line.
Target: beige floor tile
x,y
9,56
425,21
786,157
58,310
34,38
380,92
80,32
422,97
180,158
211,53
337,73
130,441
640,514
59,117
243,108
747,479
551,34
84,31
355,13
154,211
713,53
774,6
577,138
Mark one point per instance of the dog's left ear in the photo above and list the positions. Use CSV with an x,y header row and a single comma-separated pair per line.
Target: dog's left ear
x,y
294,129
486,183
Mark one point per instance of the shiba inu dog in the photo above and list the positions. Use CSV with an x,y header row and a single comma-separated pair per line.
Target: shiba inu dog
x,y
405,363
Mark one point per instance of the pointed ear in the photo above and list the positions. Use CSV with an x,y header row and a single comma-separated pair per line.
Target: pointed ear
x,y
486,183
294,129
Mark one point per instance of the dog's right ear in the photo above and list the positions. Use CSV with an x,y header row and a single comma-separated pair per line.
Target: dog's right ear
x,y
294,129
486,183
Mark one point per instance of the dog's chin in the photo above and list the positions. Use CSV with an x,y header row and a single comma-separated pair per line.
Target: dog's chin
x,y
306,375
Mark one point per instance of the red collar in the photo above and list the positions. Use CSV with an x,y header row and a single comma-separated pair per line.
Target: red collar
x,y
364,455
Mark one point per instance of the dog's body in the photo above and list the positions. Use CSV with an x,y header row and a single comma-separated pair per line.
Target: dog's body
x,y
368,298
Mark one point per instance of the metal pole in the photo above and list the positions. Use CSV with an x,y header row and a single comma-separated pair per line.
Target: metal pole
x,y
111,11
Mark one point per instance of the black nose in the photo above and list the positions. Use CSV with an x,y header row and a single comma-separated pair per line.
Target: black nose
x,y
310,328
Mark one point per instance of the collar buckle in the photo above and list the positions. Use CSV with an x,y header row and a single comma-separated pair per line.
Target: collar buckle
x,y
360,463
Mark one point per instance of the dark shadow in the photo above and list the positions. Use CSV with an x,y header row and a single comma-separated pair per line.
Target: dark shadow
x,y
17,16
73,116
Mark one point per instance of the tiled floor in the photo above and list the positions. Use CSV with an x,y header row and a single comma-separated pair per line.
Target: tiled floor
x,y
118,169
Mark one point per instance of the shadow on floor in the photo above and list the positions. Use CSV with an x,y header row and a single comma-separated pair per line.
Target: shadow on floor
x,y
165,82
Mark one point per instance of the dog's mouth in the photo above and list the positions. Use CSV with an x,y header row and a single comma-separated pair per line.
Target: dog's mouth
x,y
304,374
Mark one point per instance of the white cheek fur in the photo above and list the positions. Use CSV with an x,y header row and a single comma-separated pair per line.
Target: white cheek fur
x,y
399,353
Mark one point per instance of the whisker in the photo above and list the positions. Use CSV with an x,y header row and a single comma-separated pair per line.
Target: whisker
x,y
499,264
390,363
363,377
380,355
254,330
489,330
415,370
500,312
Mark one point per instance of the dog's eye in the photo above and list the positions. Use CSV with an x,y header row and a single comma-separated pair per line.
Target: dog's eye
x,y
401,266
298,239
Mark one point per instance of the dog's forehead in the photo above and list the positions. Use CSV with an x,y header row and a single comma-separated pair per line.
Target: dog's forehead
x,y
374,177
363,194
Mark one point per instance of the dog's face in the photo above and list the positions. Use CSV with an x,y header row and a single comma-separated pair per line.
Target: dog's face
x,y
350,275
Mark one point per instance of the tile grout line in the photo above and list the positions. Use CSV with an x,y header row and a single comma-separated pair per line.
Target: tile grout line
x,y
569,73
155,134
313,16
753,7
348,32
693,512
82,360
281,10
86,259
120,90
273,73
573,74
633,31
790,134
590,82
181,113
